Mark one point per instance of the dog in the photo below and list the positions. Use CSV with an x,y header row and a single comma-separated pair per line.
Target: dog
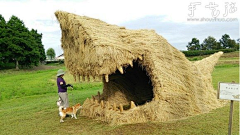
x,y
70,111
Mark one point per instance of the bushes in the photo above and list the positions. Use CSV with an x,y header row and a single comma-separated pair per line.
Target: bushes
x,y
54,61
10,65
205,52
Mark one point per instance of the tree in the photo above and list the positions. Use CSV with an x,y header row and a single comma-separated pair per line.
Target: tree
x,y
237,44
3,42
16,32
232,43
22,45
31,52
210,43
238,40
38,39
19,44
51,53
193,45
225,41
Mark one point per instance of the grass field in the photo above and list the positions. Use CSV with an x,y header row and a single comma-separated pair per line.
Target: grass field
x,y
28,106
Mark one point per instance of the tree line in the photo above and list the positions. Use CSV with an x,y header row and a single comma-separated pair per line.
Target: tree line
x,y
18,44
210,43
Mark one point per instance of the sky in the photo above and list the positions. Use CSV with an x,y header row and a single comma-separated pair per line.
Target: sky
x,y
177,21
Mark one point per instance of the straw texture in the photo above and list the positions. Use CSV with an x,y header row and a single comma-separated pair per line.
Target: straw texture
x,y
144,77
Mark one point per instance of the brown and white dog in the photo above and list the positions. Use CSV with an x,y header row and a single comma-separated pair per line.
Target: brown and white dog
x,y
70,111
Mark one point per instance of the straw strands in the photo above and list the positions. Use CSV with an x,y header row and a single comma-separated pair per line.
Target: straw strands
x,y
144,77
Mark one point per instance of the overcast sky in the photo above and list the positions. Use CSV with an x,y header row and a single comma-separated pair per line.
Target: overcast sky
x,y
177,21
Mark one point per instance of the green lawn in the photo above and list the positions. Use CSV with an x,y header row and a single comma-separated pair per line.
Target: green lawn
x,y
28,106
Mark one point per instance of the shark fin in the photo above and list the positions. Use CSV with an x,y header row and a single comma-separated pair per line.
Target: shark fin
x,y
206,65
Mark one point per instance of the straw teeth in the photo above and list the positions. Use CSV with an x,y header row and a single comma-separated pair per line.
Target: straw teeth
x,y
130,63
132,105
121,107
114,106
102,104
106,78
163,83
120,70
140,58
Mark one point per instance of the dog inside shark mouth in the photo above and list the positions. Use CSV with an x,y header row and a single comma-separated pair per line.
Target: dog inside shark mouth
x,y
144,77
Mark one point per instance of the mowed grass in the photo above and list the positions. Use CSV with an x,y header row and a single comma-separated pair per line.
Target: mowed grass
x,y
28,106
18,84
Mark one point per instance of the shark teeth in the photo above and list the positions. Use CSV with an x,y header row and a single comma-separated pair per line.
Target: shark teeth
x,y
108,105
97,102
130,63
102,104
95,76
114,107
120,69
132,105
140,58
106,78
121,107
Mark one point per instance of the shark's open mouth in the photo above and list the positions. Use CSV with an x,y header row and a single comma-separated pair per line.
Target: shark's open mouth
x,y
144,77
134,83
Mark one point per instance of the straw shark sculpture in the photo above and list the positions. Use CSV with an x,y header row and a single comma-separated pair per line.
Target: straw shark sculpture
x,y
144,77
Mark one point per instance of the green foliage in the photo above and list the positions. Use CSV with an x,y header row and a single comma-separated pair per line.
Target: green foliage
x,y
195,58
8,65
205,52
210,43
51,53
3,41
225,40
38,39
193,45
19,44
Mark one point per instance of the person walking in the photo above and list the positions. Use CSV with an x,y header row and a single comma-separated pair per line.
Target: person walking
x,y
62,89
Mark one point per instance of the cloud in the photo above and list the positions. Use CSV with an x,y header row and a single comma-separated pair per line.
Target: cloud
x,y
168,18
179,34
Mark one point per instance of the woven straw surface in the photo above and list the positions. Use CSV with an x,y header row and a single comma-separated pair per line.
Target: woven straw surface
x,y
170,87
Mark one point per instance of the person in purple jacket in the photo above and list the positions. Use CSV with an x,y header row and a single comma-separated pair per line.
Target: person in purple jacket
x,y
62,89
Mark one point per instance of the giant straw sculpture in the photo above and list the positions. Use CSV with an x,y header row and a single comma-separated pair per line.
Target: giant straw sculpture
x,y
144,77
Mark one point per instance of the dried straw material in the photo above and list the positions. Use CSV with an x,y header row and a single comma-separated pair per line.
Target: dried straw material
x,y
138,66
